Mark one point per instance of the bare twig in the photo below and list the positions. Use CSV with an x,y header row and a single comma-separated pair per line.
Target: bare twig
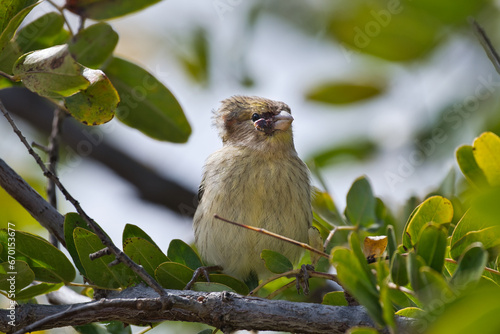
x,y
274,235
120,256
8,76
486,44
225,310
493,271
53,151
100,253
334,230
150,185
61,11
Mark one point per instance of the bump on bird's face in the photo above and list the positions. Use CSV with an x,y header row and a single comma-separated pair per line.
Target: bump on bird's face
x,y
249,120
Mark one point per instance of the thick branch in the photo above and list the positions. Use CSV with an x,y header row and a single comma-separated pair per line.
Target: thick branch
x,y
84,141
35,204
228,311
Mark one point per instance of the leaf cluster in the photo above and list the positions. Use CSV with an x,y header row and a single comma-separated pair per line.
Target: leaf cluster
x,y
80,73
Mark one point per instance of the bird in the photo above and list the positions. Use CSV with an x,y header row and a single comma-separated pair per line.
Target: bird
x,y
257,179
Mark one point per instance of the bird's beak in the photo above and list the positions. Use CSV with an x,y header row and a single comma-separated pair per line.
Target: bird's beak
x,y
282,121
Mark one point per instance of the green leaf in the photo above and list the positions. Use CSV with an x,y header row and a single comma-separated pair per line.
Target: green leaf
x,y
276,262
107,9
476,312
181,252
118,327
37,290
360,205
97,103
131,231
335,298
392,31
172,275
234,283
195,58
475,226
73,220
211,287
356,277
358,150
324,206
11,16
343,92
414,263
144,253
469,166
450,11
8,58
399,272
392,244
387,307
93,45
435,209
470,267
44,32
432,246
15,275
486,150
411,312
98,271
206,331
51,72
362,330
435,289
146,104
48,263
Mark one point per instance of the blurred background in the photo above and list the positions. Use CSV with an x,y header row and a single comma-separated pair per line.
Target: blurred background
x,y
386,89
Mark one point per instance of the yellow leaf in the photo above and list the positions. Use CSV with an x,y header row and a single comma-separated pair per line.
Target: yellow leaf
x,y
373,247
486,150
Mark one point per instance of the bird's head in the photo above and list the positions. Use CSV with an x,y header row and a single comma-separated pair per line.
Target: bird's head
x,y
254,121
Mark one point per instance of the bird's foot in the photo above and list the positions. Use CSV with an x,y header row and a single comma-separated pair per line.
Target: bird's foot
x,y
302,278
201,271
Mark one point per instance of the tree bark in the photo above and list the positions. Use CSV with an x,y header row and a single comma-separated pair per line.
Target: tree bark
x,y
35,204
141,305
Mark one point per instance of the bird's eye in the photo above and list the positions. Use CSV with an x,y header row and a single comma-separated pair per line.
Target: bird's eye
x,y
255,117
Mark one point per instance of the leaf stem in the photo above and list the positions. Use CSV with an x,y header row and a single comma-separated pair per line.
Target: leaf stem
x,y
12,78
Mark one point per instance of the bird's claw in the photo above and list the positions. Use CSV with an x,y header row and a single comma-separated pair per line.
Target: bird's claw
x,y
201,271
302,278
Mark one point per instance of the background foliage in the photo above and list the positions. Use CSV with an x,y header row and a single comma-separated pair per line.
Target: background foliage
x,y
442,247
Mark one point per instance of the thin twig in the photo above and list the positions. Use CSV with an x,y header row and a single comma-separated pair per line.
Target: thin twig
x,y
486,44
280,290
119,255
53,151
12,78
61,11
493,271
335,229
400,288
274,235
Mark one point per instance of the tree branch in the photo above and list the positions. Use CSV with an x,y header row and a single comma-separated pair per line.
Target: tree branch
x,y
140,305
486,44
89,142
35,204
105,239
